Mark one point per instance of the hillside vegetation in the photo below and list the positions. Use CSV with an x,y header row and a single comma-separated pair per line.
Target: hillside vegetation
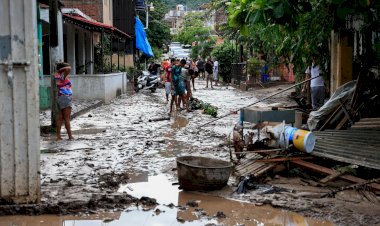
x,y
191,4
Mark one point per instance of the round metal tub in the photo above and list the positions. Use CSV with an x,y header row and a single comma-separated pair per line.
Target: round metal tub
x,y
201,173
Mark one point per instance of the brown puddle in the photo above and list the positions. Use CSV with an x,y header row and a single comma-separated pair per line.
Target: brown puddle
x,y
161,188
179,122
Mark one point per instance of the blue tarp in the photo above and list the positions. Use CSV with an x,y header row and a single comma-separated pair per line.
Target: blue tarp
x,y
141,40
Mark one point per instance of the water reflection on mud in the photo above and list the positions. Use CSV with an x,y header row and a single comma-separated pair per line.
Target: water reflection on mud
x,y
179,122
160,188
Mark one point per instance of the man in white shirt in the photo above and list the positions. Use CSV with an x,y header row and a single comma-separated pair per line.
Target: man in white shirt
x,y
317,85
215,71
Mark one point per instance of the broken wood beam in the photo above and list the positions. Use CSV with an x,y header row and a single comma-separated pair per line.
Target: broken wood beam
x,y
332,177
345,110
352,186
324,170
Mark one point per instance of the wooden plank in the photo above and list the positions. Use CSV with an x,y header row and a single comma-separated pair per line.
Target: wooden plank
x,y
284,159
255,167
368,123
251,168
330,118
321,169
252,161
267,168
274,151
332,177
365,127
244,163
370,120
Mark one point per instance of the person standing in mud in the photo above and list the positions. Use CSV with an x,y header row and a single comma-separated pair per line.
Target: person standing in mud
x,y
215,72
64,98
317,85
201,68
174,99
187,74
168,79
178,73
186,77
209,75
196,73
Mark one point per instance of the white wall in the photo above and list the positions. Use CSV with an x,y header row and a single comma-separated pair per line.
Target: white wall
x,y
103,87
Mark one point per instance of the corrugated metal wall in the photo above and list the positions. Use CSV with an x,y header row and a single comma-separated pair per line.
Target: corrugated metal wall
x,y
19,102
123,16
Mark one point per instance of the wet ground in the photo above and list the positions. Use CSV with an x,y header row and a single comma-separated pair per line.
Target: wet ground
x,y
127,149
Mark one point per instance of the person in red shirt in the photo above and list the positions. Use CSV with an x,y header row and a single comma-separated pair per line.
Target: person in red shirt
x,y
169,86
168,80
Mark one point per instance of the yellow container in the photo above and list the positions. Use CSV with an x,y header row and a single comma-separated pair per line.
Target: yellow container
x,y
304,140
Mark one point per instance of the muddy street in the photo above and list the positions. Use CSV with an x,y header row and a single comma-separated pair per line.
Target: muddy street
x,y
125,152
132,135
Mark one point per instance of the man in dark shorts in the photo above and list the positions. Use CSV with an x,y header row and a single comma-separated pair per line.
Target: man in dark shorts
x,y
209,75
201,68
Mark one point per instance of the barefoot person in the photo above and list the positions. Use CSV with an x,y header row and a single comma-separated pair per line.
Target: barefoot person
x,y
209,73
64,98
178,73
196,73
168,79
172,88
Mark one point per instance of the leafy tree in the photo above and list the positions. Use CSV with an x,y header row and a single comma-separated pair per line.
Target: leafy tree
x,y
203,49
224,54
193,29
158,32
293,29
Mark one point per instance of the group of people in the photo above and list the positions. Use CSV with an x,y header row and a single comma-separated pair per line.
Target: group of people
x,y
179,76
208,70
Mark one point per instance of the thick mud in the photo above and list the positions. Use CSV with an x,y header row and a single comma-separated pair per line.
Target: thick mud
x,y
131,140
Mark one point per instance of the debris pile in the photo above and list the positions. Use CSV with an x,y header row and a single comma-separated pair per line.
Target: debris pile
x,y
208,109
345,149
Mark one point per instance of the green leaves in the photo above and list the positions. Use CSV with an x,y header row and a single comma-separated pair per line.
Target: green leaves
x,y
224,54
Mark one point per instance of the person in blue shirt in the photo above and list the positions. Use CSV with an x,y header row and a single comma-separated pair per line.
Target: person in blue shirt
x,y
264,71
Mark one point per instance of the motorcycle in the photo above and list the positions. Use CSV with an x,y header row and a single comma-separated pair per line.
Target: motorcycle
x,y
147,81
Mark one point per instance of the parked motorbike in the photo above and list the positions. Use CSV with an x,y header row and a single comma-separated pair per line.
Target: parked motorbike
x,y
147,81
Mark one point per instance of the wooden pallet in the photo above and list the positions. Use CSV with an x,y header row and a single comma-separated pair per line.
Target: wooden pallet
x,y
249,165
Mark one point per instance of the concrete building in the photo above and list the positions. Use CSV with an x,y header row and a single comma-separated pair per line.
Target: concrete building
x,y
99,10
175,18
116,13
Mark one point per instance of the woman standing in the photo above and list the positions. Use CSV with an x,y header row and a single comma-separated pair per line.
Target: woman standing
x,y
64,99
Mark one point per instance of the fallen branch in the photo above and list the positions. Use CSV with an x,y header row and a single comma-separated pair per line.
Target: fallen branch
x,y
159,119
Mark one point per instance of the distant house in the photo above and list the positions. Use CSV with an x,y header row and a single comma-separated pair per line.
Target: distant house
x,y
116,13
96,50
